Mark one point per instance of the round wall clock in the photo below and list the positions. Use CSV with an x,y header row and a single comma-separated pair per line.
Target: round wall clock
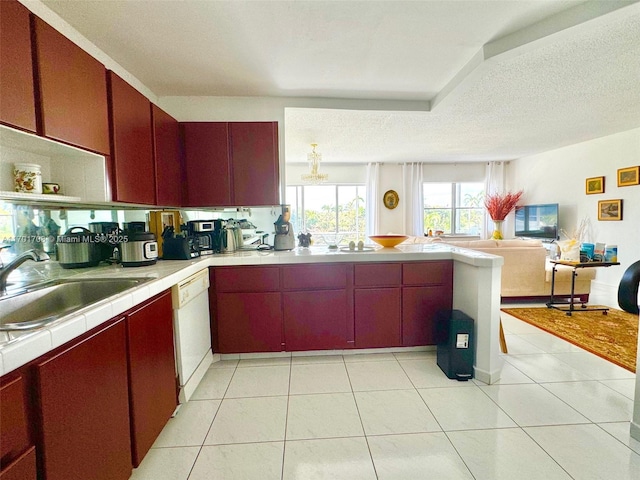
x,y
391,199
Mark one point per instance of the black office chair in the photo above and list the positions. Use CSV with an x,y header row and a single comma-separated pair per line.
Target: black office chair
x,y
628,289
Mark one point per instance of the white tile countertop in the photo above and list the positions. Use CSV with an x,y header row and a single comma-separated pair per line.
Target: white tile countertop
x,y
17,349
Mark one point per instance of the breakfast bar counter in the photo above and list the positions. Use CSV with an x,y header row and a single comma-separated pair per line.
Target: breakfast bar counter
x,y
476,292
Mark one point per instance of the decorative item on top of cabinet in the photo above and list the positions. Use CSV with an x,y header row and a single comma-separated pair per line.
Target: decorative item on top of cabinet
x,y
73,91
17,96
133,175
168,158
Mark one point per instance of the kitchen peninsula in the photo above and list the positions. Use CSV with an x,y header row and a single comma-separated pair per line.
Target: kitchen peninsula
x,y
475,291
107,370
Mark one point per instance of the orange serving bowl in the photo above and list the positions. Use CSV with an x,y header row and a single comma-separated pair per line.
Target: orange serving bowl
x,y
388,241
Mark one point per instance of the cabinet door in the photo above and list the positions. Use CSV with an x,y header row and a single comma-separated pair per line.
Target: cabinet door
x,y
316,320
152,372
254,153
84,408
207,164
168,158
377,317
73,91
22,468
131,153
14,435
249,322
421,307
17,99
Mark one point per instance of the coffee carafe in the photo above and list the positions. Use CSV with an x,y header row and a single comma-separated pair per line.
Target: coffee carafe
x,y
284,238
224,237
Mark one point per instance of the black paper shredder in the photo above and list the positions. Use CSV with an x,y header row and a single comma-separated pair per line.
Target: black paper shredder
x,y
455,350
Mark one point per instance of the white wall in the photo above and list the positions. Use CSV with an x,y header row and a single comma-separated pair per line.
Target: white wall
x,y
559,176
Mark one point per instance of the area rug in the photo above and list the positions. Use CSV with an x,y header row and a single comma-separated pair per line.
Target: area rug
x,y
613,337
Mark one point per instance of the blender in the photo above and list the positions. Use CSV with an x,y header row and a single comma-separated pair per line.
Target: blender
x,y
284,238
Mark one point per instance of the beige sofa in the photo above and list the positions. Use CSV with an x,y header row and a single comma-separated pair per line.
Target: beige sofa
x,y
526,272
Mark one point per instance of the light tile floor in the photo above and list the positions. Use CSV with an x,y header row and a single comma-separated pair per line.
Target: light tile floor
x,y
557,413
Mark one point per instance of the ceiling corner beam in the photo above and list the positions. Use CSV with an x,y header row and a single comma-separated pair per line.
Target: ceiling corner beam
x,y
539,34
358,104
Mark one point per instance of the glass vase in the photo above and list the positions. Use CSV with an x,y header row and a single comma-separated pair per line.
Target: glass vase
x,y
497,230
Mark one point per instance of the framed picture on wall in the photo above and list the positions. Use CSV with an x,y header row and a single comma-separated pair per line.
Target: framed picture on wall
x,y
391,199
628,176
610,209
594,185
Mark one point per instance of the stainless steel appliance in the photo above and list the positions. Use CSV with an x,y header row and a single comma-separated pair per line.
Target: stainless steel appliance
x,y
78,248
140,249
225,240
108,233
201,235
284,238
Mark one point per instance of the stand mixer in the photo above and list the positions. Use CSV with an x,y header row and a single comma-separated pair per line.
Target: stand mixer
x,y
284,238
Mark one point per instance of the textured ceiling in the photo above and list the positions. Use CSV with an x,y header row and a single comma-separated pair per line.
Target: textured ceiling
x,y
504,79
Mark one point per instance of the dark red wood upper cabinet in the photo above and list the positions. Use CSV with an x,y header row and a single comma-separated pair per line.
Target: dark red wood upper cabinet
x,y
231,163
84,409
152,372
254,154
133,175
17,98
73,91
207,164
168,158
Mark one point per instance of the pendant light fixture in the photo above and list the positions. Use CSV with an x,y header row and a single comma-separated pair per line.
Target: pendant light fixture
x,y
314,176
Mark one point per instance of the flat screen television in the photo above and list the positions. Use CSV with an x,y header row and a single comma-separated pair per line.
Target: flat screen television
x,y
537,221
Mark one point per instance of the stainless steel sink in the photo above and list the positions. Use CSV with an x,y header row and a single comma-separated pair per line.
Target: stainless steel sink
x,y
44,303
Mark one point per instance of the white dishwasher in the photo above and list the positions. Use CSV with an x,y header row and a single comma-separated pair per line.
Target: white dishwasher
x,y
192,331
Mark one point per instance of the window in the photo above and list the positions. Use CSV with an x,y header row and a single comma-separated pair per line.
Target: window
x,y
454,208
328,209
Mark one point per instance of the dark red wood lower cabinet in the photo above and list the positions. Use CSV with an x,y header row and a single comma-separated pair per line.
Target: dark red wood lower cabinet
x,y
152,373
83,400
22,468
316,320
249,322
17,453
420,309
377,317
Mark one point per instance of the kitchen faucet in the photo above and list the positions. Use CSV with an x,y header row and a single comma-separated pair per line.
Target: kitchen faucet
x,y
35,255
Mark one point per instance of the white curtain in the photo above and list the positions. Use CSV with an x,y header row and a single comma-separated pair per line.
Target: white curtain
x,y
372,211
413,205
493,183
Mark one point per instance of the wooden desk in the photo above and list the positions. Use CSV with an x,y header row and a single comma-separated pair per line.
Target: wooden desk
x,y
571,303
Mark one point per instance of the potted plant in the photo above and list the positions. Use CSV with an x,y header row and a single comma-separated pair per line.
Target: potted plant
x,y
499,205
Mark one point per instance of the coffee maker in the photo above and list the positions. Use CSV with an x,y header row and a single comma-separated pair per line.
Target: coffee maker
x,y
284,238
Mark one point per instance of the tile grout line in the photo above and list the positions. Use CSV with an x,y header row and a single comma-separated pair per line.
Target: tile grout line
x,y
286,419
364,432
211,426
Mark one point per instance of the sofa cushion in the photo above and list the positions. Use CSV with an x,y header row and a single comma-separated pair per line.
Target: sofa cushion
x,y
519,243
482,244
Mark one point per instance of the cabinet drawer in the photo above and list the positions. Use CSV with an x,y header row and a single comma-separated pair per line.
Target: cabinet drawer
x,y
14,437
378,275
247,279
427,273
307,277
